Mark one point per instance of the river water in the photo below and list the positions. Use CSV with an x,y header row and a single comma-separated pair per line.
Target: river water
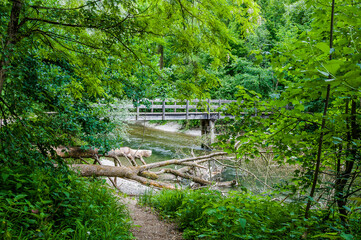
x,y
173,145
164,145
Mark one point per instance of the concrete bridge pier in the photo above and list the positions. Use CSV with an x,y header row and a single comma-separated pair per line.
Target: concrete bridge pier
x,y
208,132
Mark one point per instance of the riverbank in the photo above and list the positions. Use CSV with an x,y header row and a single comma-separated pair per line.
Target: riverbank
x,y
169,126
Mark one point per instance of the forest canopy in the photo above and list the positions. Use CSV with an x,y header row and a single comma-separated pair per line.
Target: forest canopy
x,y
63,56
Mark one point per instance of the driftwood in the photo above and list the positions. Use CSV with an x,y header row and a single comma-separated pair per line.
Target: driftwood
x,y
142,173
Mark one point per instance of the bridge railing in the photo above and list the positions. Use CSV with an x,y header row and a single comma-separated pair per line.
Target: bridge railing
x,y
196,105
179,107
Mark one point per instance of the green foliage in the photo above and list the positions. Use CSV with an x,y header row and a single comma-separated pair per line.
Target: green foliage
x,y
167,203
80,52
296,130
248,64
205,214
291,134
307,58
51,203
113,45
283,20
49,112
242,72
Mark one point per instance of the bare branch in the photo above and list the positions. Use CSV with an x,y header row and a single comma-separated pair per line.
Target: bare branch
x,y
194,164
55,35
247,171
187,176
61,24
179,161
66,47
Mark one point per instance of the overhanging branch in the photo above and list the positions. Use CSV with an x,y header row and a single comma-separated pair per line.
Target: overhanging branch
x,y
64,9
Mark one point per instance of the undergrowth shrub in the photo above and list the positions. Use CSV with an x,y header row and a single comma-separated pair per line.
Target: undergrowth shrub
x,y
168,202
51,203
206,214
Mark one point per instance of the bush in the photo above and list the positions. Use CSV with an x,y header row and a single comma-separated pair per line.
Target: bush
x,y
50,203
206,214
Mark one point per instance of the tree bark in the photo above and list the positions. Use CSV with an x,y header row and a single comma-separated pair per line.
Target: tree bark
x,y
122,172
161,58
2,75
128,153
319,153
341,194
12,32
320,140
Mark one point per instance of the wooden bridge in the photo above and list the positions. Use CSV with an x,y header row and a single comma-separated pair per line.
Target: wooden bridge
x,y
179,110
208,111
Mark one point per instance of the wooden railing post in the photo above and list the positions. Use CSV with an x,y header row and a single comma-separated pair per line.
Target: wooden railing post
x,y
209,109
175,106
151,108
187,109
137,116
163,110
219,108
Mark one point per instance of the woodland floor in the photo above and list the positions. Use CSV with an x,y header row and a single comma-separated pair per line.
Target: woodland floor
x,y
147,224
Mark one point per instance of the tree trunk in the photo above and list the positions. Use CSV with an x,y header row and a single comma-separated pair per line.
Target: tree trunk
x,y
2,75
351,155
319,153
320,140
161,58
122,172
128,153
12,32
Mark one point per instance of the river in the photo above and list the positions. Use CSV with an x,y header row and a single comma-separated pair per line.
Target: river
x,y
164,145
170,145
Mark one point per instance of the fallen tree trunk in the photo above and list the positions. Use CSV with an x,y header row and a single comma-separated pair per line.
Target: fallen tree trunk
x,y
122,172
142,174
128,153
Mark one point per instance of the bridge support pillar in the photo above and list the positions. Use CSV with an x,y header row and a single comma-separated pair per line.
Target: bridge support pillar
x,y
208,132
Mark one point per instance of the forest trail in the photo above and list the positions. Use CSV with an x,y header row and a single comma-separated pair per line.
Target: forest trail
x,y
147,225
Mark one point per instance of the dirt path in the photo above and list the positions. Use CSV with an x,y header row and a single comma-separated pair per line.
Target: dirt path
x,y
147,224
